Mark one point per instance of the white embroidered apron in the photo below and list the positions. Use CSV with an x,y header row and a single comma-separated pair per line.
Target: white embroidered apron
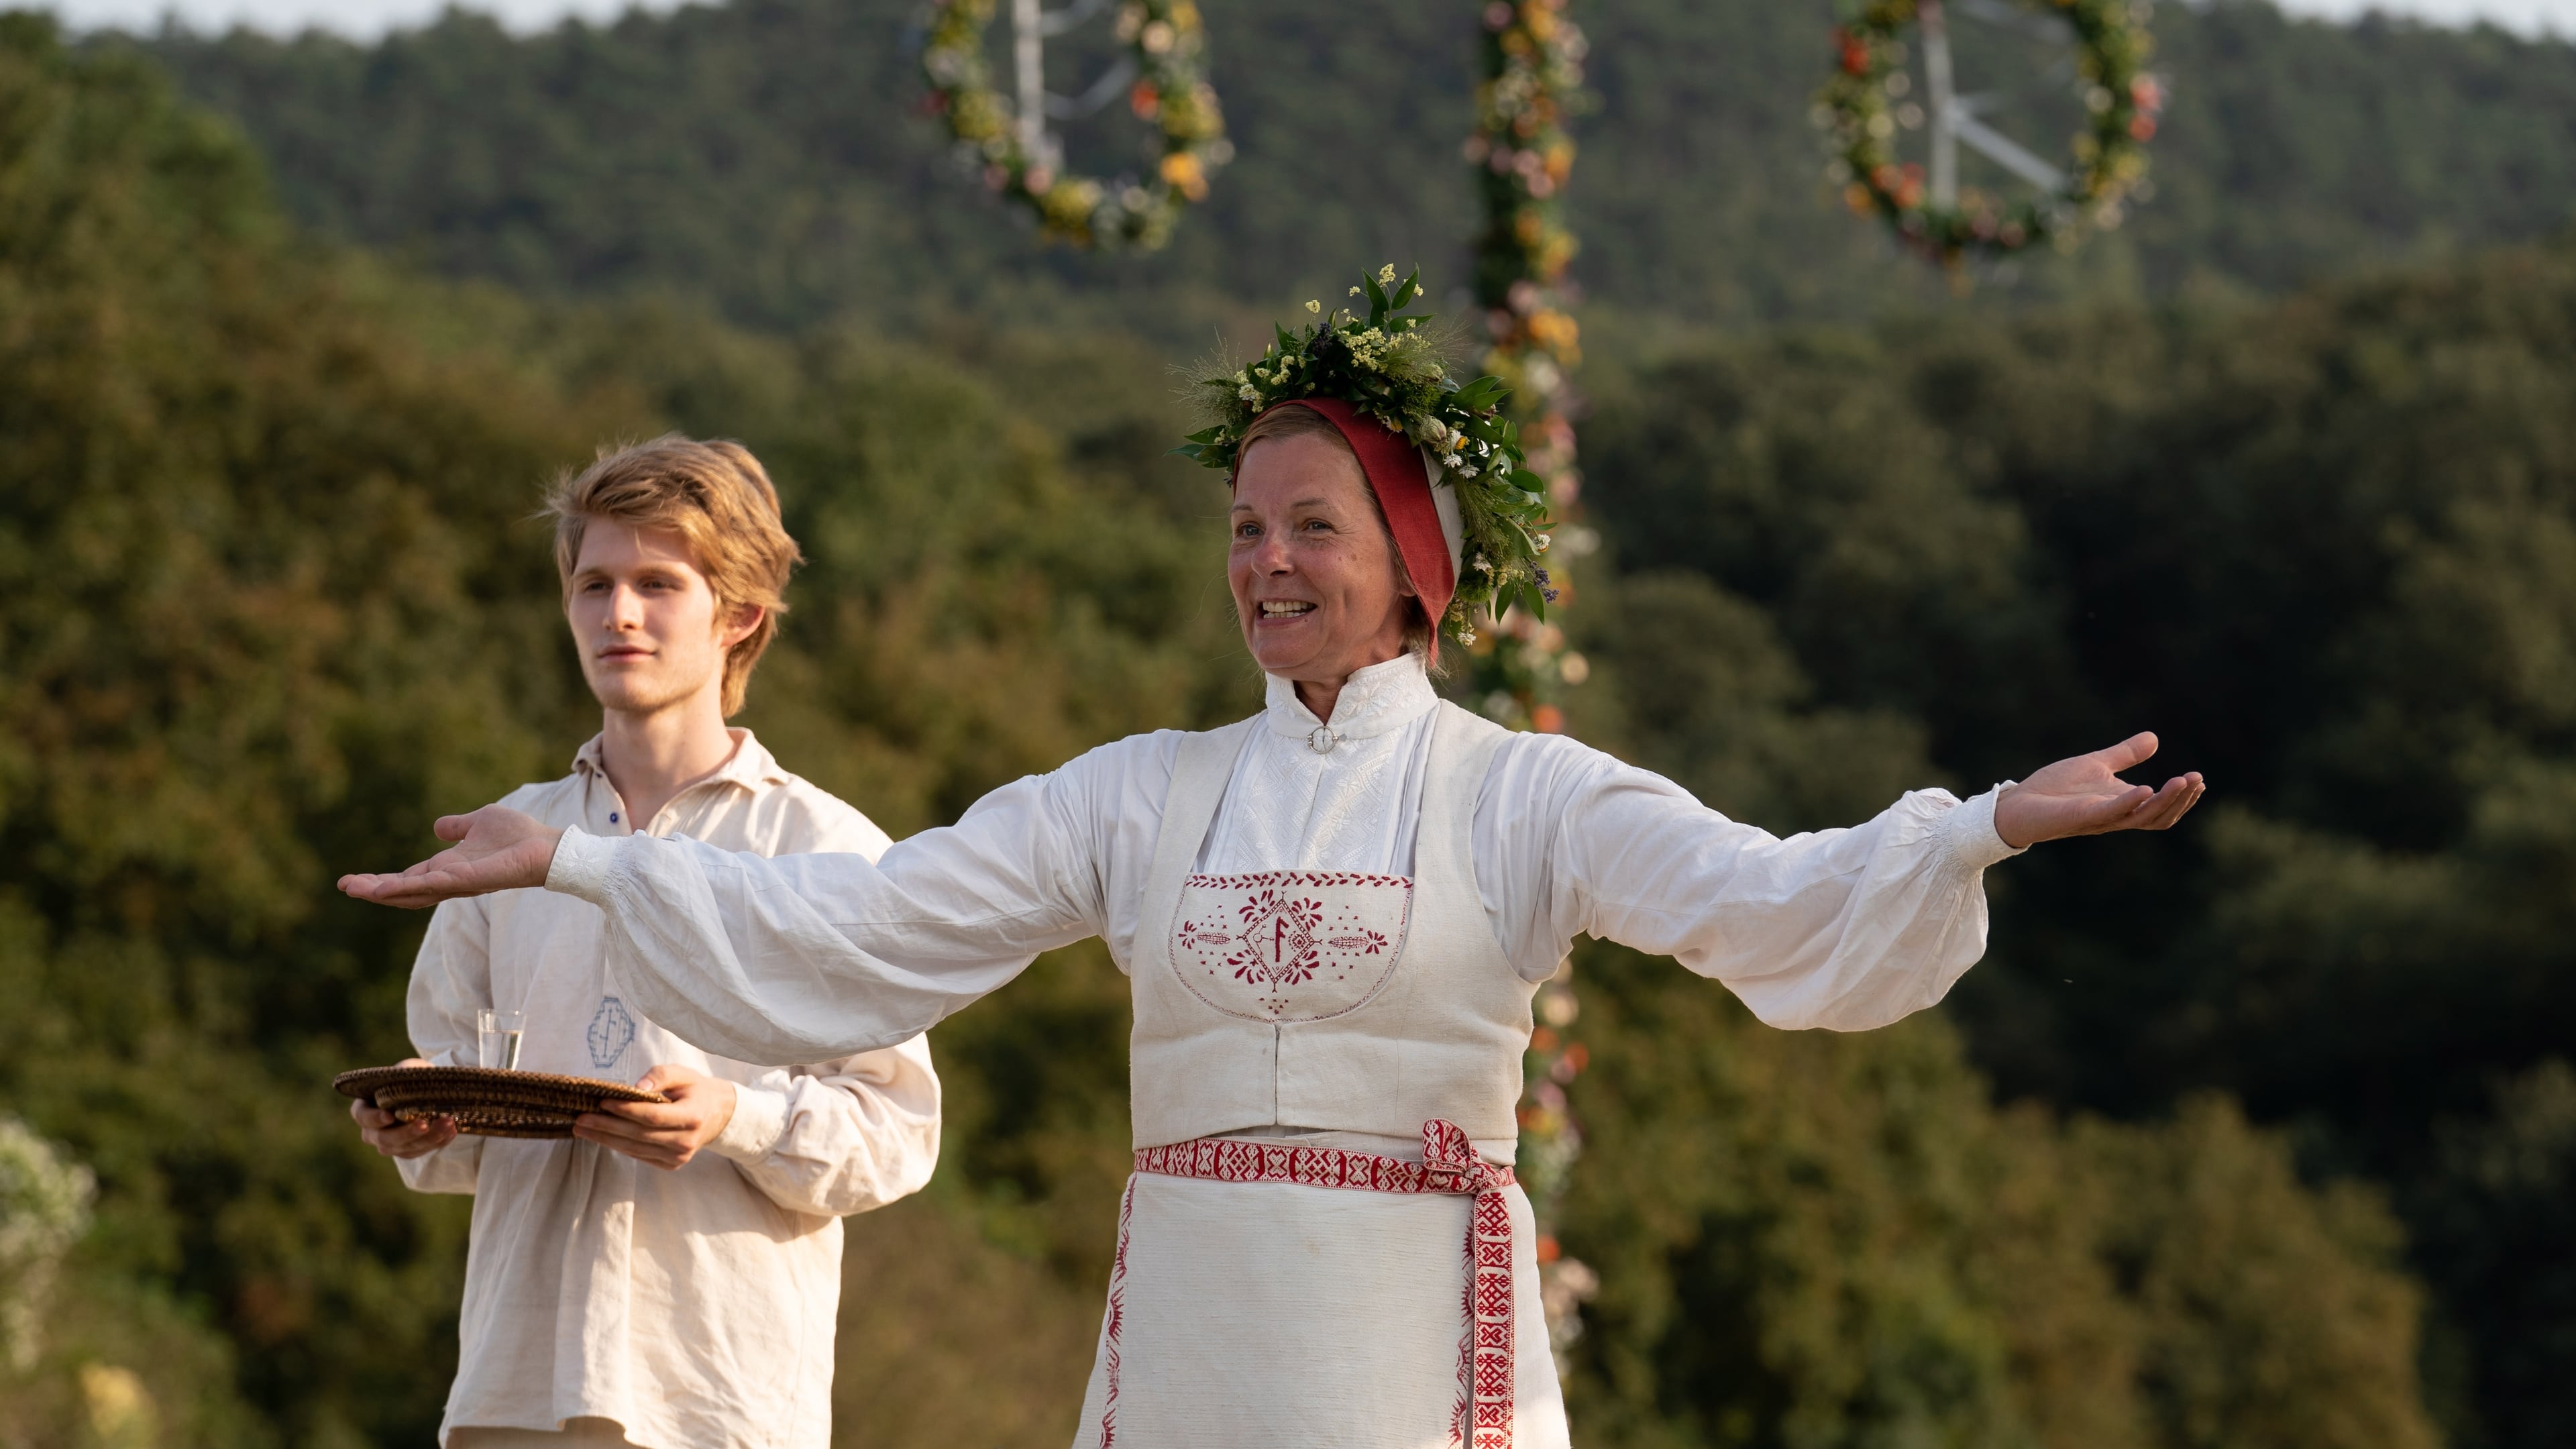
x,y
1322,1244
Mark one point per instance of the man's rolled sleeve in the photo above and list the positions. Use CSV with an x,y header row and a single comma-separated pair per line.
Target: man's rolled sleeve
x,y
759,1120
856,1134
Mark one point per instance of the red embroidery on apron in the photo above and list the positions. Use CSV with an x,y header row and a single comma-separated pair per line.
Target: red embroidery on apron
x,y
1288,945
1117,1312
1483,1417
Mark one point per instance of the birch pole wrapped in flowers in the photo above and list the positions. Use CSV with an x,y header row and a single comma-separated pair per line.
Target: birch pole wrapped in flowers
x,y
1521,157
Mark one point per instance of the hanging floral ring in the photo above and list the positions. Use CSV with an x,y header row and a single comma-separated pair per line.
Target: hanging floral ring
x,y
1167,44
2109,156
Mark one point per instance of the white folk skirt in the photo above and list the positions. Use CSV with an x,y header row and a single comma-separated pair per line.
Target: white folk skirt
x,y
1274,1315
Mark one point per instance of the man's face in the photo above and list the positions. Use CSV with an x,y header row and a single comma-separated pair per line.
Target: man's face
x,y
645,619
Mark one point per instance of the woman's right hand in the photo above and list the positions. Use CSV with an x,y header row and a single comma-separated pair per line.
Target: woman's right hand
x,y
496,849
383,1132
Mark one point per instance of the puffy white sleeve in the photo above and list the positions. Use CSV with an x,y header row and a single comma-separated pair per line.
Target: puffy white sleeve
x,y
1846,929
451,979
840,1137
814,957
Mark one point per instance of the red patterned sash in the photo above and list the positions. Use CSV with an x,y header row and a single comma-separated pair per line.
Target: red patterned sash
x,y
1449,1165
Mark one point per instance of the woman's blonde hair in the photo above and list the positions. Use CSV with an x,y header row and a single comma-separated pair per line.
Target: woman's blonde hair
x,y
1287,421
719,499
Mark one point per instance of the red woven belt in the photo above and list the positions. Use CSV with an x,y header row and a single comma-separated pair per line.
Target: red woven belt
x,y
1449,1165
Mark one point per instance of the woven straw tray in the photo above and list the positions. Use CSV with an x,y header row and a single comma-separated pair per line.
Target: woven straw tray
x,y
486,1101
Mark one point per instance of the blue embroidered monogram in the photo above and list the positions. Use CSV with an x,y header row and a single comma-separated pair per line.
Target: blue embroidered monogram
x,y
612,1030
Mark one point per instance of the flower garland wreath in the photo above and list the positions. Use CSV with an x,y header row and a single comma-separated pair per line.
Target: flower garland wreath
x,y
1388,366
2121,101
1168,44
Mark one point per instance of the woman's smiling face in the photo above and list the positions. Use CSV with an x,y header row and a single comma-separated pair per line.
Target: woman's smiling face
x,y
1315,576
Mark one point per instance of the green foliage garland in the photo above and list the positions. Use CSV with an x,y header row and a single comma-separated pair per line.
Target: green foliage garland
x,y
1168,43
1389,367
2121,101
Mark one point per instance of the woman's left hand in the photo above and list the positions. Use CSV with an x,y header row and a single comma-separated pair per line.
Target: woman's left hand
x,y
2086,796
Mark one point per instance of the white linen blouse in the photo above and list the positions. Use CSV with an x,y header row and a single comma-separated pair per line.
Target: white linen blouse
x,y
808,957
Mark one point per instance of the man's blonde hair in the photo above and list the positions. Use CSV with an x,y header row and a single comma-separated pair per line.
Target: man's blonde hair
x,y
719,498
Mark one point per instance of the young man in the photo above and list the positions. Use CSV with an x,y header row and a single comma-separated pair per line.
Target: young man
x,y
669,1278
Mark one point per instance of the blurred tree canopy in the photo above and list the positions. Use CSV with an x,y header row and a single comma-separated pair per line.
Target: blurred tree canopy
x,y
273,599
765,154
2326,549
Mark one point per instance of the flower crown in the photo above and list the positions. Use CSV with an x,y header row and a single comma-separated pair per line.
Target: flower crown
x,y
1388,367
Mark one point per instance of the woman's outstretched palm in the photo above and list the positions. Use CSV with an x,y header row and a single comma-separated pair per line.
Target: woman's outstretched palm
x,y
2086,796
496,849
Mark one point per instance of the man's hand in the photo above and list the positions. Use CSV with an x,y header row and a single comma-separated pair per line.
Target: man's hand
x,y
664,1135
2086,796
496,849
394,1138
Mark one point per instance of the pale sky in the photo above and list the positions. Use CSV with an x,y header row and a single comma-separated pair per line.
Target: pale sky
x,y
374,17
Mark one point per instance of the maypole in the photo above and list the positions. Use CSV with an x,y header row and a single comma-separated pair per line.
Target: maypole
x,y
1521,154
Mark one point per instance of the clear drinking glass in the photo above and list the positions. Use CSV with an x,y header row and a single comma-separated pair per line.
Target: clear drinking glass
x,y
496,1038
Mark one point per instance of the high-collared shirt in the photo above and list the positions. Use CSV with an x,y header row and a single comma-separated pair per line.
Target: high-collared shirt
x,y
693,1309
1308,796
1847,929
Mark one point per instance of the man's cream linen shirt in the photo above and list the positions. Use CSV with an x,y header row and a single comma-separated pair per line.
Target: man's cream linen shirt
x,y
693,1308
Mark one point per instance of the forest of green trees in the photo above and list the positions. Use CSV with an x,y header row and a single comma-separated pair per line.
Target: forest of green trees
x,y
2261,1135
767,155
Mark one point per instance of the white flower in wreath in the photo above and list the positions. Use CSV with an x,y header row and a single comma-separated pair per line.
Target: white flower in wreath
x,y
1248,393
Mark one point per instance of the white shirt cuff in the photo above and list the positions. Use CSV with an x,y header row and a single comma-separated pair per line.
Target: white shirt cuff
x,y
1971,828
580,866
759,1120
